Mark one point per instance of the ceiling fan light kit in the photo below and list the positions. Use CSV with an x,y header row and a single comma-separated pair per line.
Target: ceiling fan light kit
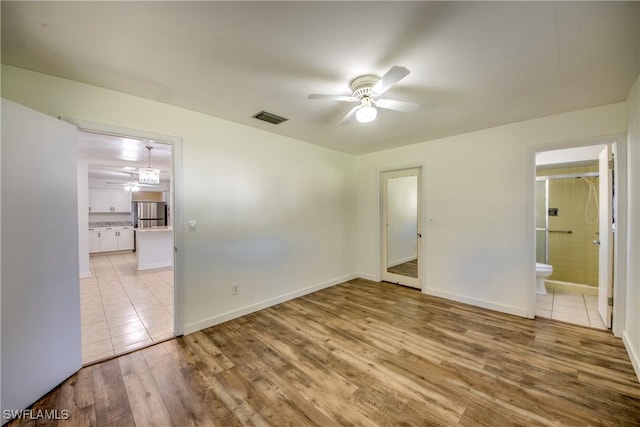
x,y
131,186
366,90
366,113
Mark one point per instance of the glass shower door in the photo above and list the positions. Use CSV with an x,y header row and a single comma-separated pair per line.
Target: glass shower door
x,y
542,222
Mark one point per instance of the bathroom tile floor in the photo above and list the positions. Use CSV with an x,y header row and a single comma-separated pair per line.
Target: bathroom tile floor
x,y
579,309
123,309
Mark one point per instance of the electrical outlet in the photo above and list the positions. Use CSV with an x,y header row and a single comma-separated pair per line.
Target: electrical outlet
x,y
235,289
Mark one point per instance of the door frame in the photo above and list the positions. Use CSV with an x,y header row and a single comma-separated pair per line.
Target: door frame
x,y
619,143
391,277
177,203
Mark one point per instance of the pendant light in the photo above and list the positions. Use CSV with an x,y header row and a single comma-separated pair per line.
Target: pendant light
x,y
149,175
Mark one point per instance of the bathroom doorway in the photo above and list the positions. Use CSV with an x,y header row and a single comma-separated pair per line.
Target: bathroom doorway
x,y
401,232
574,234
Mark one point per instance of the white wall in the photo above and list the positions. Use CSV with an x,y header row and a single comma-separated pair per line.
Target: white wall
x,y
478,192
402,217
275,215
83,218
631,334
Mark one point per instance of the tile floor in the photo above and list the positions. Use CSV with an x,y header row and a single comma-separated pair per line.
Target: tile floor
x,y
123,309
568,307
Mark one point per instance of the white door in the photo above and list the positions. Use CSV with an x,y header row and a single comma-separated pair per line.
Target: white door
x,y
401,232
41,344
605,265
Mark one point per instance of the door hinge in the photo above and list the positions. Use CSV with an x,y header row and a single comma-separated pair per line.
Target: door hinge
x,y
610,301
611,164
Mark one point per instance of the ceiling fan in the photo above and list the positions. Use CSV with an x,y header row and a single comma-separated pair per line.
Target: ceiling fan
x,y
366,92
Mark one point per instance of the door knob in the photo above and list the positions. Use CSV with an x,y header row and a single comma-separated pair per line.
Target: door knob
x,y
596,242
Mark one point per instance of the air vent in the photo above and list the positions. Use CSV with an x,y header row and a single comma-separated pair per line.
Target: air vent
x,y
269,118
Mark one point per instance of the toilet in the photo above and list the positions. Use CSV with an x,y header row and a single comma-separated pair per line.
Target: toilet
x,y
542,272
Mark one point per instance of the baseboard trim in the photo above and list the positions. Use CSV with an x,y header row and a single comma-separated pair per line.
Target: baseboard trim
x,y
85,275
366,276
502,308
153,266
633,356
243,311
575,288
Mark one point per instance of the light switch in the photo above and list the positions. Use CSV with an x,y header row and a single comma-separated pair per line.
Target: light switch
x,y
193,226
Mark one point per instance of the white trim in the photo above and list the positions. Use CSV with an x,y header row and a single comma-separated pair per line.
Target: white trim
x,y
633,356
243,311
476,302
366,276
85,274
152,266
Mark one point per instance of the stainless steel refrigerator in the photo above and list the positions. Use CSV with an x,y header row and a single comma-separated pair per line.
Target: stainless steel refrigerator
x,y
149,214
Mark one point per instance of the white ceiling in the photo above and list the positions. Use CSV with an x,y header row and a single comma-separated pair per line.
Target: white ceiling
x,y
115,159
473,65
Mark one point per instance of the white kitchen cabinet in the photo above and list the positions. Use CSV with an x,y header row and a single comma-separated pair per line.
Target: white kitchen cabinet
x,y
94,240
121,200
99,200
109,239
125,239
106,200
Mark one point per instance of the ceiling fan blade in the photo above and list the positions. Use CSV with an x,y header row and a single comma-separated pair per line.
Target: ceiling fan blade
x,y
392,104
346,119
345,98
393,76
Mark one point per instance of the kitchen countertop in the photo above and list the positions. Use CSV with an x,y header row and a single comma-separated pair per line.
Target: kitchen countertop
x,y
111,224
152,229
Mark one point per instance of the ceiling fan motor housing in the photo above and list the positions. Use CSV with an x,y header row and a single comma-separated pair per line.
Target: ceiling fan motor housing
x,y
362,86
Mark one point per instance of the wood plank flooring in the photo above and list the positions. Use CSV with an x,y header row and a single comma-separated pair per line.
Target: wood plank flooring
x,y
363,353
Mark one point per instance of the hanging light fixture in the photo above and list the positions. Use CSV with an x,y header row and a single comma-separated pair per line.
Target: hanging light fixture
x,y
149,175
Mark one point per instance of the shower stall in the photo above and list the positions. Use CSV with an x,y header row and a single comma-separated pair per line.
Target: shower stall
x,y
567,225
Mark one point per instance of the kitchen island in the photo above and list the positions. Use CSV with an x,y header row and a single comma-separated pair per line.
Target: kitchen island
x,y
154,247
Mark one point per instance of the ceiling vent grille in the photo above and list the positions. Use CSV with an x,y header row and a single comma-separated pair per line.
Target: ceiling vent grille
x,y
269,118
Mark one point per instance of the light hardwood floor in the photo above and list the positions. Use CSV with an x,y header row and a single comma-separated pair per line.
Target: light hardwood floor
x,y
364,353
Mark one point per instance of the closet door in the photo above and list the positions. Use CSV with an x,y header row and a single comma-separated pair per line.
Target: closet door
x,y
401,233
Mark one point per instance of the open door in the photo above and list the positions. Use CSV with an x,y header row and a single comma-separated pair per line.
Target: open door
x,y
606,236
401,232
41,344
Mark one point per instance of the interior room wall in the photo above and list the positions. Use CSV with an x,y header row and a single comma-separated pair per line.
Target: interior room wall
x,y
274,215
478,198
631,334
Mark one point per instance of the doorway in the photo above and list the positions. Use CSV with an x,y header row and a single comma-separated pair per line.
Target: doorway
x,y
575,225
401,231
126,296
